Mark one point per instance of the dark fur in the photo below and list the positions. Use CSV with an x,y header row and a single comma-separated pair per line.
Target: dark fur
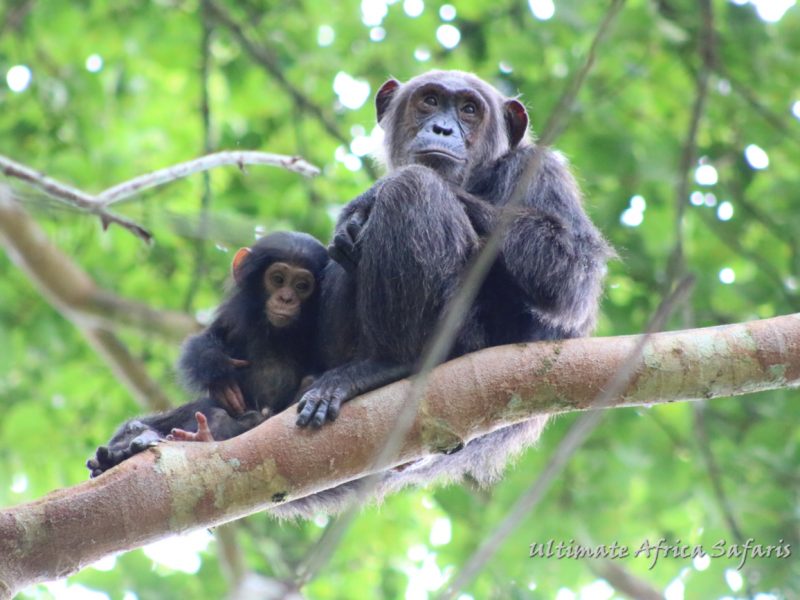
x,y
138,434
279,357
403,245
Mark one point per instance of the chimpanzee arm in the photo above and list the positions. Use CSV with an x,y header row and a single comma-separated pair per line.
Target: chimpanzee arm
x,y
345,249
552,251
138,434
333,388
207,368
481,213
204,359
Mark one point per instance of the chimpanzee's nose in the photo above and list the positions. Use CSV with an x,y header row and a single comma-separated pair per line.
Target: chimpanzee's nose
x,y
439,130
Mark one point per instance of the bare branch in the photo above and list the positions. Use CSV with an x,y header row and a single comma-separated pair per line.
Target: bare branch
x,y
267,59
623,581
67,287
201,235
180,486
95,312
557,120
126,368
204,163
676,263
70,195
97,204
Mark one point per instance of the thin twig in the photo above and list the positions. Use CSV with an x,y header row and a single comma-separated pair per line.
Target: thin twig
x,y
443,336
70,195
67,287
676,263
765,267
97,204
267,59
205,198
715,476
127,369
714,473
15,16
568,446
777,121
623,581
557,121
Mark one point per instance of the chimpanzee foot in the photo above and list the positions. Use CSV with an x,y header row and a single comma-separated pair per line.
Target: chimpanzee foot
x,y
107,457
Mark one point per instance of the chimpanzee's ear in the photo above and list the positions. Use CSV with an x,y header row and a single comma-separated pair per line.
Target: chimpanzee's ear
x,y
384,97
238,262
516,121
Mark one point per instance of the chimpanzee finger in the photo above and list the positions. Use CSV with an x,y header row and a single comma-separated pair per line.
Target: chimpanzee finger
x,y
309,408
231,402
239,362
139,445
203,430
103,456
336,254
334,407
321,413
181,435
354,226
239,399
115,457
343,241
143,441
341,258
227,400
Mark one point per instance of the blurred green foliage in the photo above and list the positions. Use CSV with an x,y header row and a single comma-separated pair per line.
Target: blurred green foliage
x,y
642,476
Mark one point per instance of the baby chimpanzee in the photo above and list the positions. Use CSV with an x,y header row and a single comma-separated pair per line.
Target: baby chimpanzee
x,y
249,363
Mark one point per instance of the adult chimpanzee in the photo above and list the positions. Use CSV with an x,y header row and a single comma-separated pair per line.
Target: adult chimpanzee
x,y
456,149
249,362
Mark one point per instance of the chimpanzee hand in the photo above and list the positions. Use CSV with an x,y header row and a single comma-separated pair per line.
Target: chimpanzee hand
x,y
329,391
203,432
345,248
134,438
228,393
324,398
481,214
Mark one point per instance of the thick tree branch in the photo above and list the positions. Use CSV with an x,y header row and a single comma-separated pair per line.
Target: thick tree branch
x,y
69,289
569,444
623,581
95,312
128,369
163,491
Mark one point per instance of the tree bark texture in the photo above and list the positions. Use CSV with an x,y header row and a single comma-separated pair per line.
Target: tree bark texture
x,y
176,487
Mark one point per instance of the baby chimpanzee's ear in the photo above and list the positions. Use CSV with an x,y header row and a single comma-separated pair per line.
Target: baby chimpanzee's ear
x,y
238,262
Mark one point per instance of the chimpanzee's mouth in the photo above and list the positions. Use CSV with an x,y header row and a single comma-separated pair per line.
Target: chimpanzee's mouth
x,y
440,153
279,318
